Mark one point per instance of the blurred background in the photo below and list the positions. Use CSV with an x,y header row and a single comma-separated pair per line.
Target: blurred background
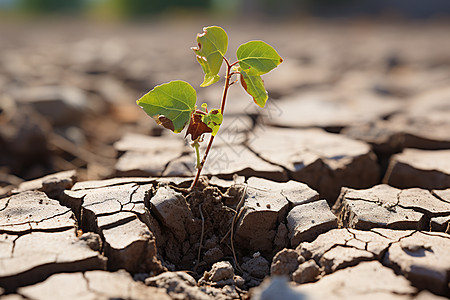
x,y
70,72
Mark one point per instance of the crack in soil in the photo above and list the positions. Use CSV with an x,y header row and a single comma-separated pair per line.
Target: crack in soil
x,y
436,234
14,245
117,223
37,222
142,181
439,197
425,212
6,204
366,243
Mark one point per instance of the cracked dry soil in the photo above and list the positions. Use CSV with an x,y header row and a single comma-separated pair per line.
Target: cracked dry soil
x,y
140,238
338,189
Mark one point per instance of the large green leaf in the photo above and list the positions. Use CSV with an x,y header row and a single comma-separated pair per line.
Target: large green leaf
x,y
254,85
212,46
170,104
257,57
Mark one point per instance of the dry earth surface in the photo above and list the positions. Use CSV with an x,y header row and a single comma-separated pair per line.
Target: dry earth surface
x,y
338,189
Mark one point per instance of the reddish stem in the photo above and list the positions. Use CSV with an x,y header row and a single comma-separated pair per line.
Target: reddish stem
x,y
222,109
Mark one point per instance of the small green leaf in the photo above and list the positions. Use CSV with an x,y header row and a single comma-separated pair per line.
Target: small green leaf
x,y
213,119
170,104
254,85
257,57
212,46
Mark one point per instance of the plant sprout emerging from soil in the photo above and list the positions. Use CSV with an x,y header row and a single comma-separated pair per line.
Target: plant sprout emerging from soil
x,y
173,104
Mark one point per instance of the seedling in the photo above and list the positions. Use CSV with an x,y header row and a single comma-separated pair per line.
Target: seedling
x,y
173,104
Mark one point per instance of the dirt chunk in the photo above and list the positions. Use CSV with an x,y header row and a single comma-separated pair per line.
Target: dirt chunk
x,y
92,285
222,273
93,240
38,255
116,211
376,207
307,221
334,250
53,185
172,211
257,266
306,272
33,210
285,262
422,258
340,257
367,279
295,192
263,210
180,285
385,206
440,224
419,168
324,161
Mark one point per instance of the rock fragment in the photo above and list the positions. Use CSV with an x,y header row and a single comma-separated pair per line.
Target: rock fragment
x,y
419,168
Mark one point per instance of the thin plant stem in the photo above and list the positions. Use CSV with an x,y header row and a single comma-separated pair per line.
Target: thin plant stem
x,y
197,152
222,110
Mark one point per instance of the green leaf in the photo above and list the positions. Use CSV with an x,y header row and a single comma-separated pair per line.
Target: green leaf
x,y
257,57
170,104
212,46
254,85
213,119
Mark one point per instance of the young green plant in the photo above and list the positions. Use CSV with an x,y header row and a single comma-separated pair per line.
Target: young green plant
x,y
173,104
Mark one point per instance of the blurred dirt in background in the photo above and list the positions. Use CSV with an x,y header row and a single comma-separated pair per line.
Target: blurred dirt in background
x,y
68,87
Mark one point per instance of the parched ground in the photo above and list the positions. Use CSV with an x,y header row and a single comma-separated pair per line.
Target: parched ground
x,y
338,189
